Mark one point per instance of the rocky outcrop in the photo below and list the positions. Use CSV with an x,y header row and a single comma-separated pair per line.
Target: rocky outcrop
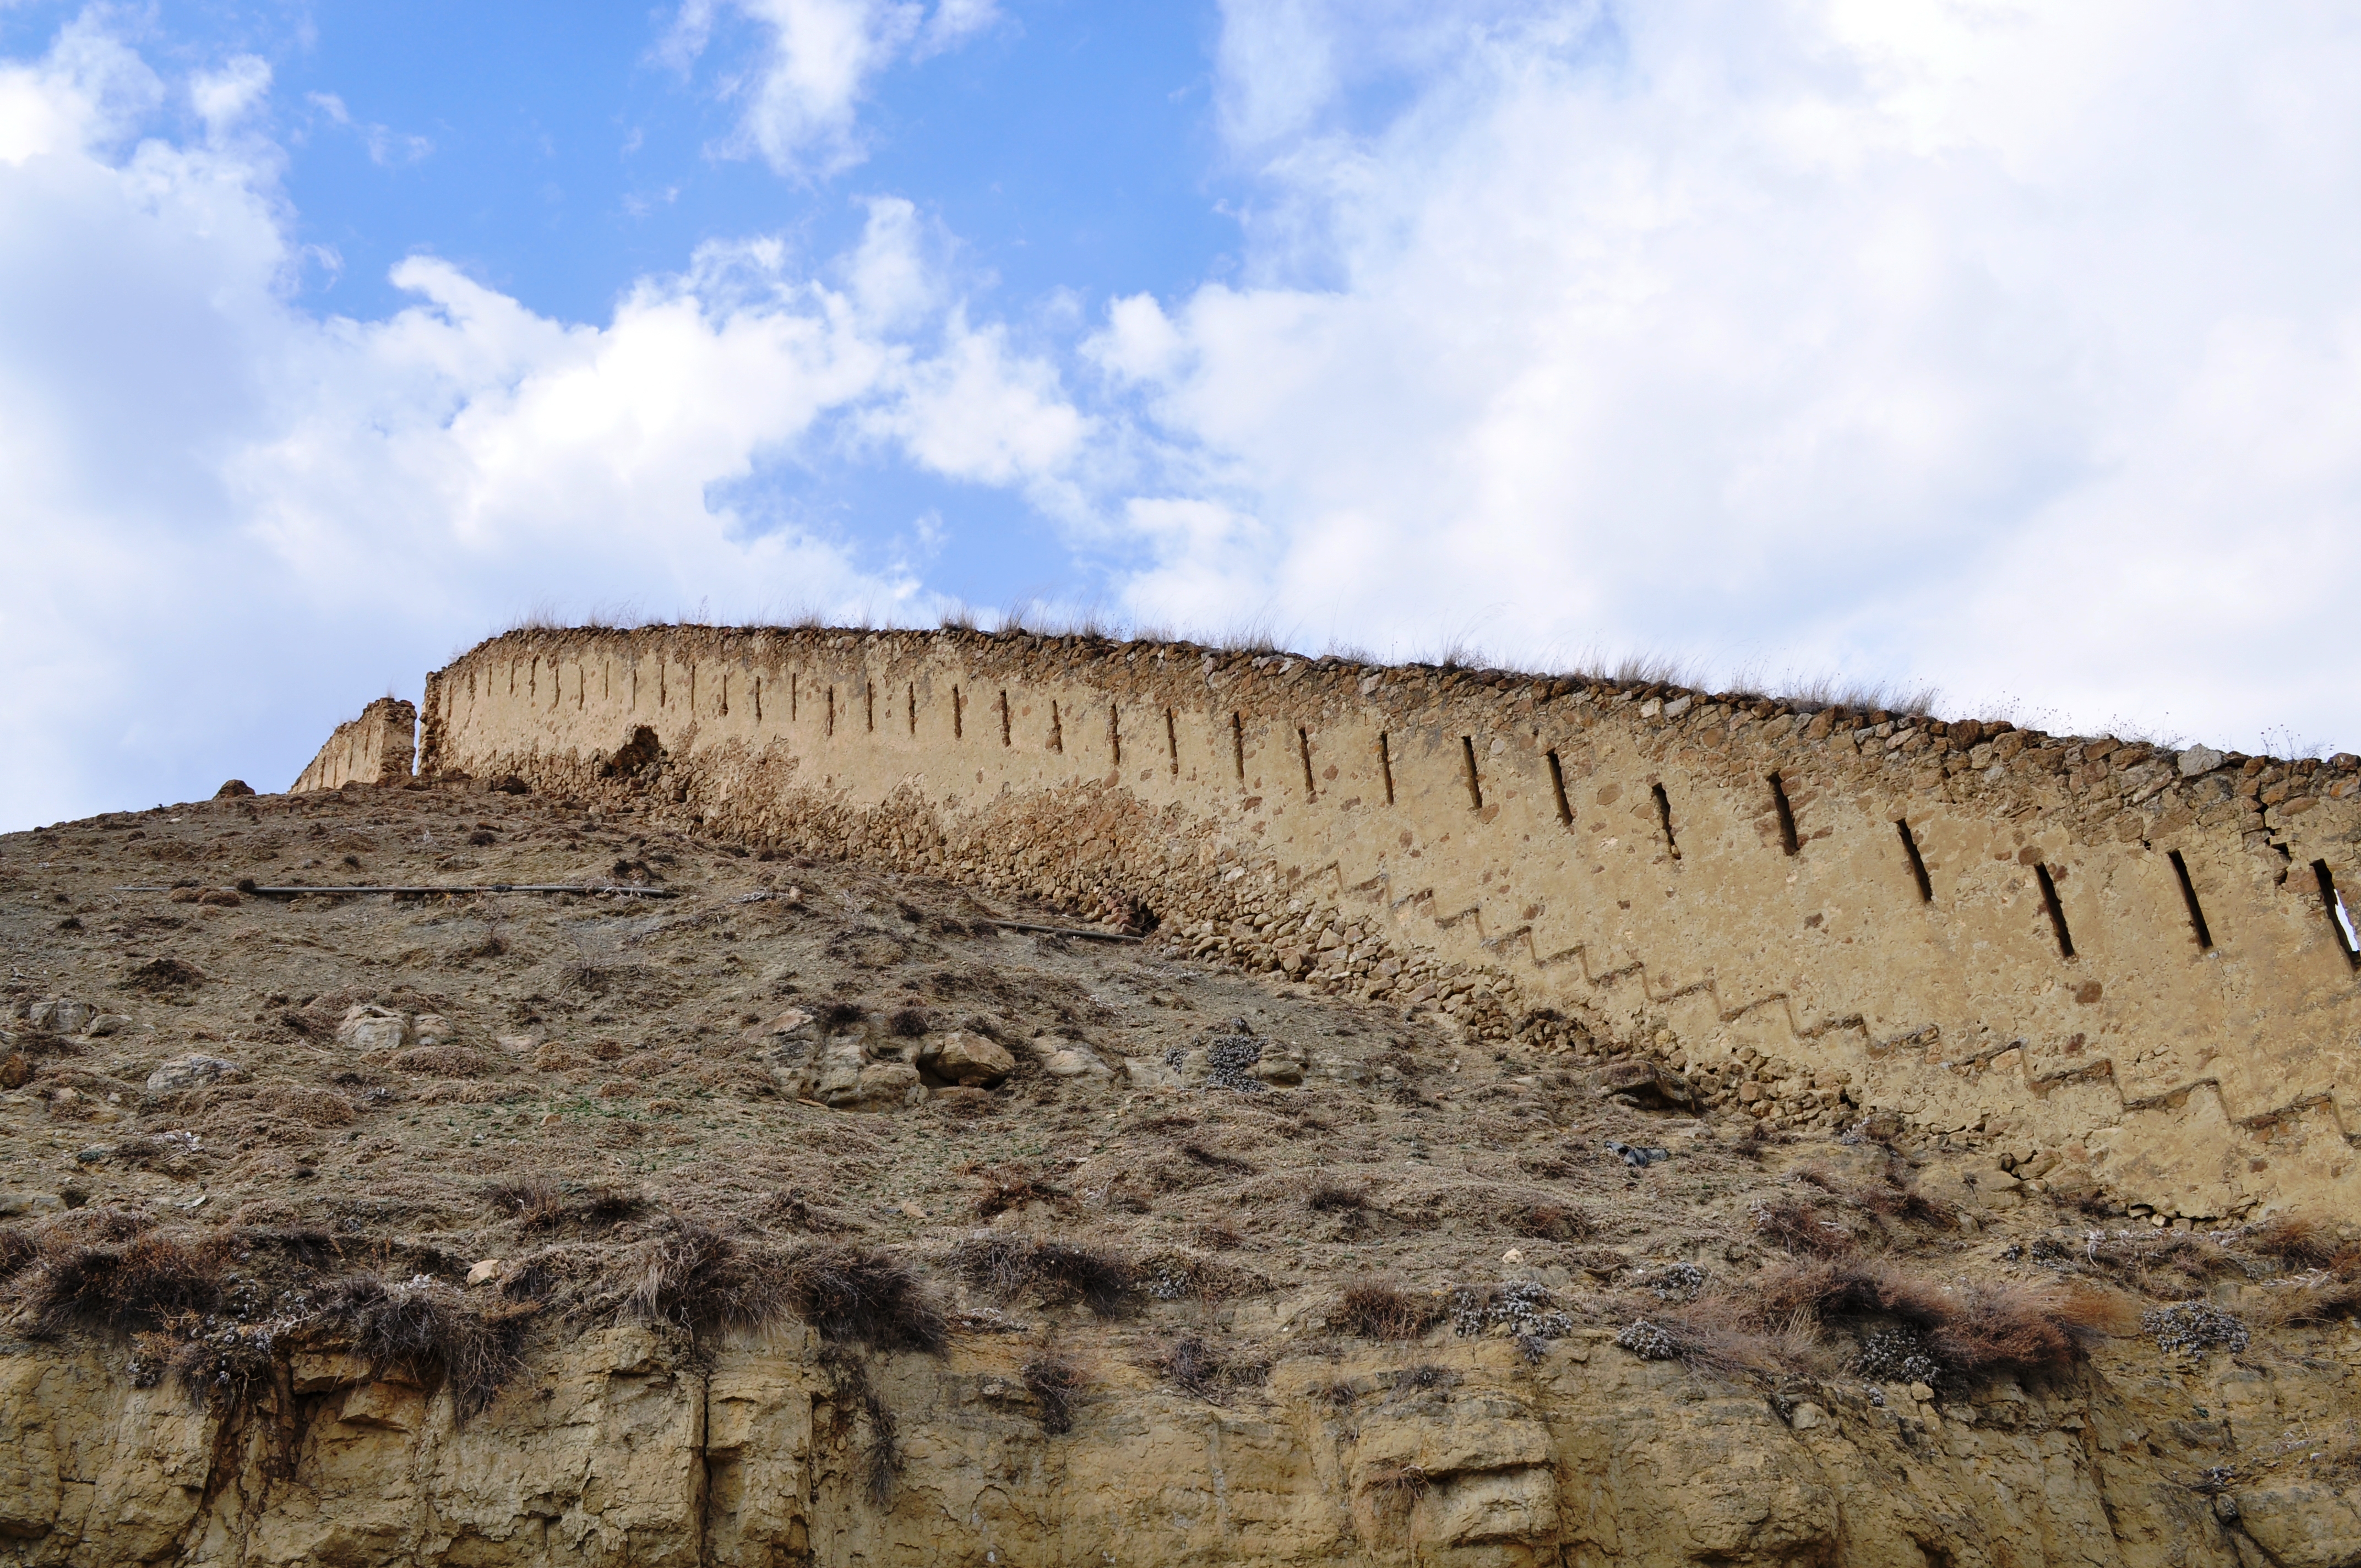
x,y
628,1447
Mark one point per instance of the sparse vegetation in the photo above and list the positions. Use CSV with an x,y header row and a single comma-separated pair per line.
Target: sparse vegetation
x,y
1056,1384
1380,1310
426,1331
1057,1272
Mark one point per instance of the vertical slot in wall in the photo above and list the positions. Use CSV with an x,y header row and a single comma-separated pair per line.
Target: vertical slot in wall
x,y
1557,788
2339,921
914,707
1786,813
1238,745
2189,897
1664,819
1057,728
1917,860
2057,910
792,694
1006,725
1386,764
832,711
1475,780
868,706
959,714
758,699
1172,741
1115,734
1303,745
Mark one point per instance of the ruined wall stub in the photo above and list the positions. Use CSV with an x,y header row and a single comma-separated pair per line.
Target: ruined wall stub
x,y
379,747
2127,958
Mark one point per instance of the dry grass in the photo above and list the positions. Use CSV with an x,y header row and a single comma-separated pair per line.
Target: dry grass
x,y
141,1285
1055,1384
1014,1187
1380,1310
2301,1244
853,1296
538,1205
1975,1332
1057,1272
1801,1229
1210,1371
18,1252
693,1277
427,1332
1394,1490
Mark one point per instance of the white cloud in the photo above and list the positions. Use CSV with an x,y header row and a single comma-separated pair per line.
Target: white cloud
x,y
387,147
228,522
801,100
2017,347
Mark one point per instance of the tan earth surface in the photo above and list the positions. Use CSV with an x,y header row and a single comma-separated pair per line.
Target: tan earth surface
x,y
813,1214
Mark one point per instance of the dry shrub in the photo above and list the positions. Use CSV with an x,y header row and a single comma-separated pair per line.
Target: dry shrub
x,y
1801,1229
1059,1272
2320,1300
18,1252
1379,1310
1014,1187
1055,1382
222,1370
1330,1196
839,1014
426,1331
1218,1235
538,1205
137,1286
441,1061
1903,1203
1723,1333
909,1024
1394,1489
1975,1333
693,1277
1210,1371
2301,1243
1548,1221
313,1107
850,1294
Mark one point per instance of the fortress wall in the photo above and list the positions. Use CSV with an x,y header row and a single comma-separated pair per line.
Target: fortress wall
x,y
376,748
1496,846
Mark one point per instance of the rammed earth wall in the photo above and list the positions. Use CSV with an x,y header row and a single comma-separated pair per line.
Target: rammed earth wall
x,y
379,747
1992,935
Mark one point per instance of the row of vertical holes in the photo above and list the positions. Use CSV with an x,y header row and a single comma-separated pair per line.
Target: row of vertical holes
x,y
2340,921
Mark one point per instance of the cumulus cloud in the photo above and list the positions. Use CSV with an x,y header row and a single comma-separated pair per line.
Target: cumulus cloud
x,y
800,98
2009,346
231,521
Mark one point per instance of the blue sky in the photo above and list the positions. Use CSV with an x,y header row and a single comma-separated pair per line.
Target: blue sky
x,y
2011,349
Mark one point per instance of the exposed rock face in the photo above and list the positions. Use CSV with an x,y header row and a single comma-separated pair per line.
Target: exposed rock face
x,y
625,1448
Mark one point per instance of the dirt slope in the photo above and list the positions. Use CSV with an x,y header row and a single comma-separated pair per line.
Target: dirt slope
x,y
812,1213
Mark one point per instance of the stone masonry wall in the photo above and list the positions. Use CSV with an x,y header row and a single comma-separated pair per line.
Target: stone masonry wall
x,y
2114,966
376,748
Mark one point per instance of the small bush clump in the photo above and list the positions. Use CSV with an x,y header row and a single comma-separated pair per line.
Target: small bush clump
x,y
694,1278
1059,1272
140,1285
1210,1371
1055,1382
849,1294
1379,1310
426,1331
